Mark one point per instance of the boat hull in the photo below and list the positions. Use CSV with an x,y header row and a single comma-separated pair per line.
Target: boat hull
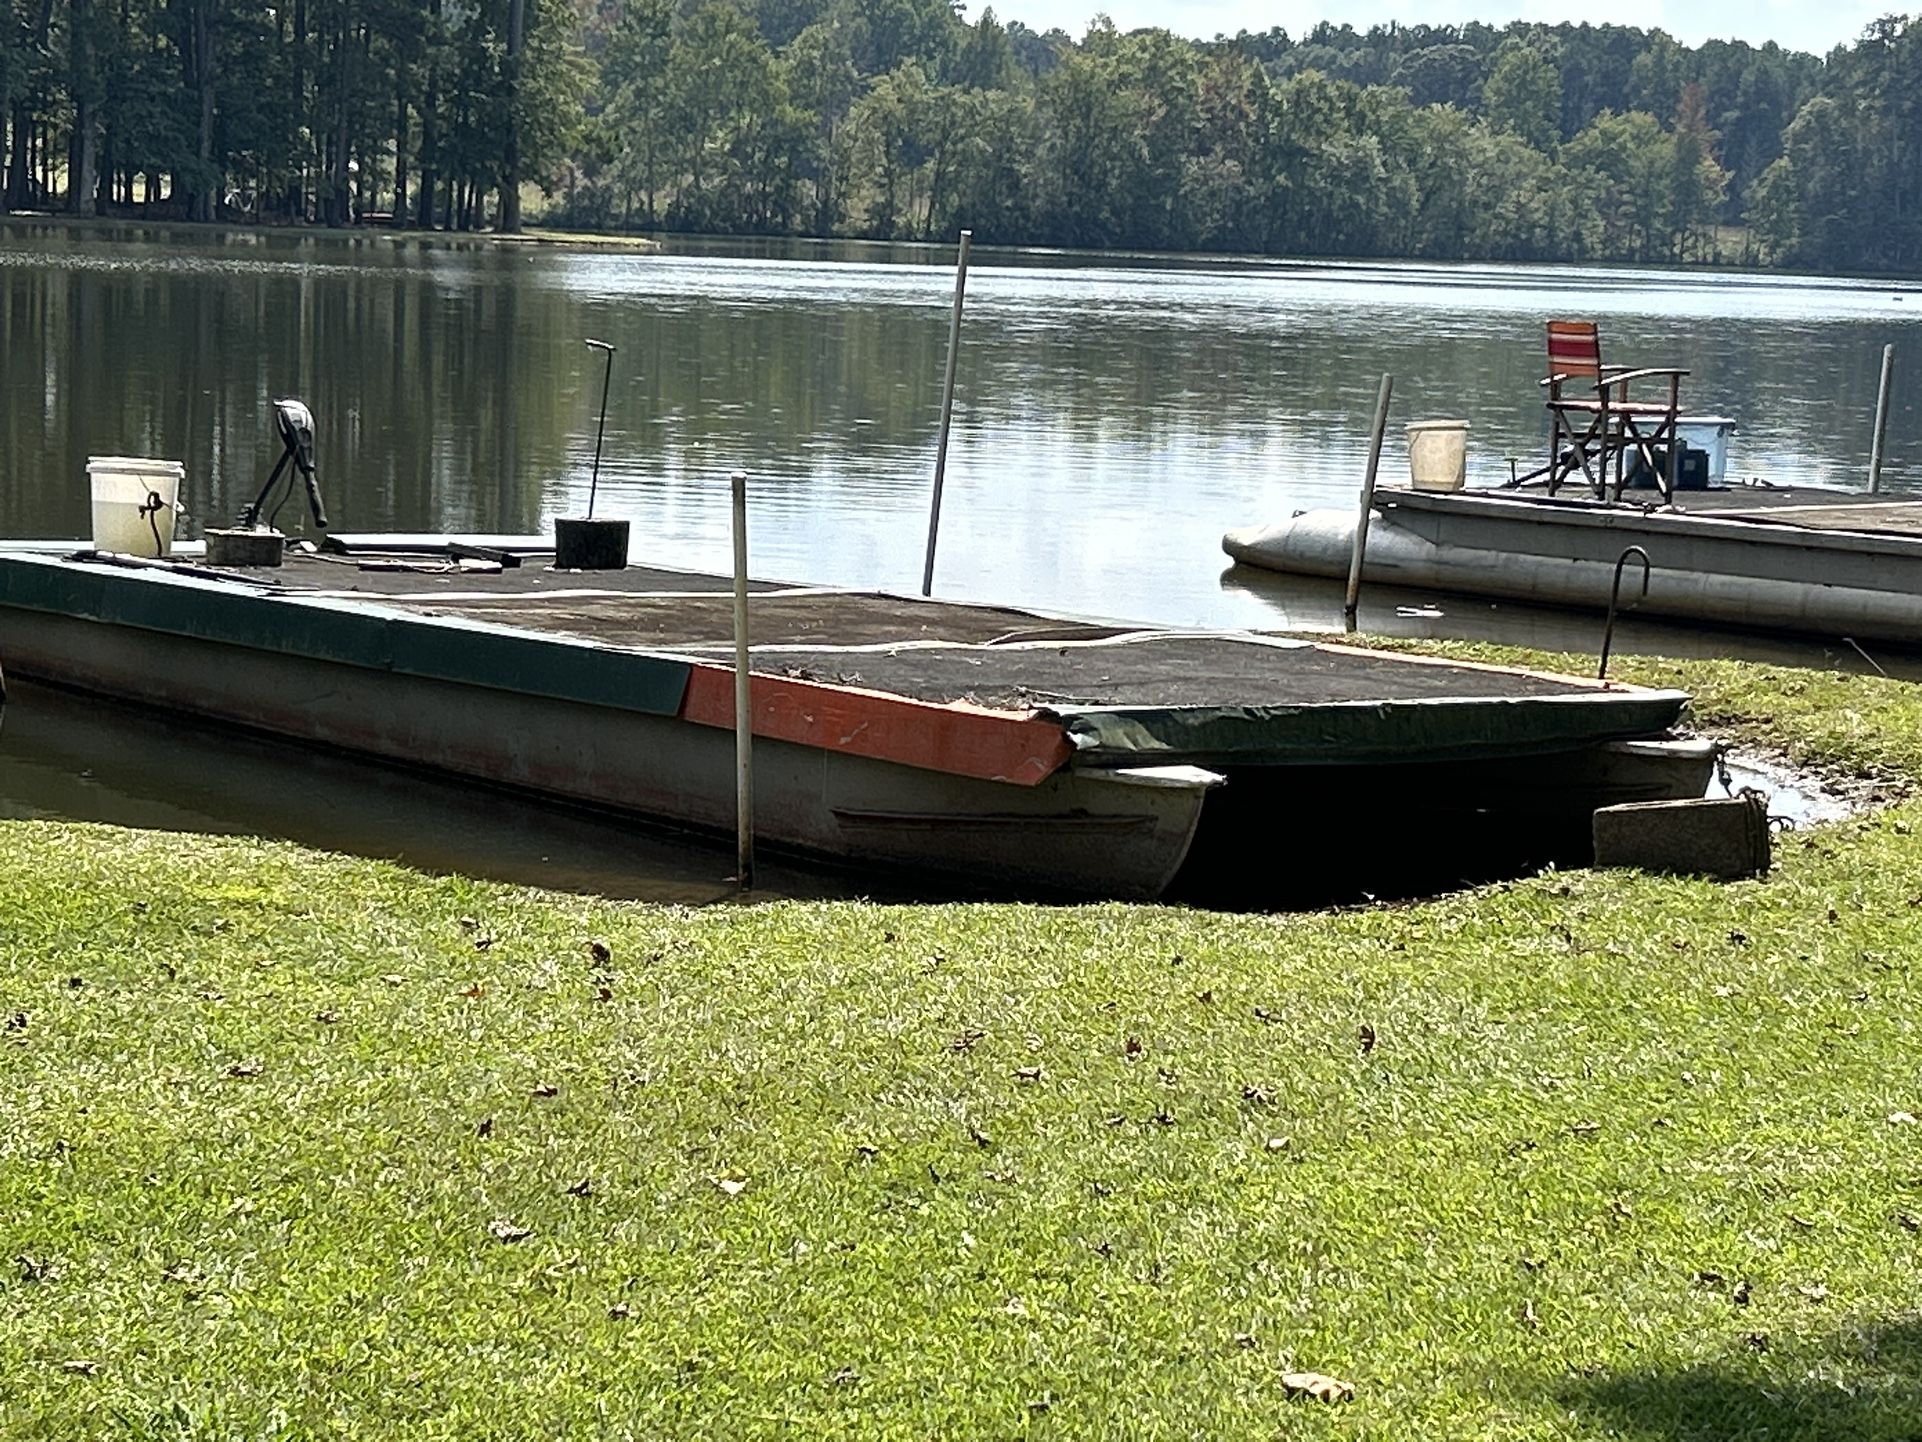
x,y
1110,834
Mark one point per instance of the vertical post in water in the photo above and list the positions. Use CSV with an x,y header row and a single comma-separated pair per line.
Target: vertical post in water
x,y
1353,600
743,711
947,409
1881,419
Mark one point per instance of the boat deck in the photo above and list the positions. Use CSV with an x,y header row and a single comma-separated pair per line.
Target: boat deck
x,y
859,671
930,650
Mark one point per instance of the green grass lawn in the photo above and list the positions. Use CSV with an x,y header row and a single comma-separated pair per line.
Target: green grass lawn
x,y
296,1145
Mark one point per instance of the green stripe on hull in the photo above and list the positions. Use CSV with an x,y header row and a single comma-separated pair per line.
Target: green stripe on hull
x,y
349,633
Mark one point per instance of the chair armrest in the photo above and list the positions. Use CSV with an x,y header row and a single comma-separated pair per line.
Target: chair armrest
x,y
1625,376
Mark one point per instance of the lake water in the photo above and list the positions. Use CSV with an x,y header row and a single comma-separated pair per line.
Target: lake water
x,y
1112,420
1114,414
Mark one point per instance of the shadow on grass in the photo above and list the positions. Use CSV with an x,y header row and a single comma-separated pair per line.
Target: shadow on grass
x,y
1861,1384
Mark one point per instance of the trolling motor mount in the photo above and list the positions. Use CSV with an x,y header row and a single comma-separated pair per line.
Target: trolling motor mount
x,y
294,423
252,542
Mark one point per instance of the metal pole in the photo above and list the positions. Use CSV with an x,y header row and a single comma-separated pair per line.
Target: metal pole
x,y
1881,419
947,409
1353,599
743,711
607,379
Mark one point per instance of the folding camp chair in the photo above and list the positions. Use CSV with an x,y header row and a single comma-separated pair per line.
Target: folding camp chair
x,y
1595,427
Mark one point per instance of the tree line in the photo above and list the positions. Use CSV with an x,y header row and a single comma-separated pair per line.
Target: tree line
x,y
904,119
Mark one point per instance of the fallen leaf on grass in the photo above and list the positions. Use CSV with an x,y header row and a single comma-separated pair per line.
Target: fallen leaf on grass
x,y
1318,1386
505,1231
475,991
1901,1119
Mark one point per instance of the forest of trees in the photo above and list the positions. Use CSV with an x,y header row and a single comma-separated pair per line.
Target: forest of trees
x,y
907,119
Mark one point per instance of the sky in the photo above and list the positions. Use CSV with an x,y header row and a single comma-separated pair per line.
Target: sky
x,y
1797,24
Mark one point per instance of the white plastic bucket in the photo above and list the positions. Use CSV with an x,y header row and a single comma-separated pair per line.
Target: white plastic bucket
x,y
1438,455
133,503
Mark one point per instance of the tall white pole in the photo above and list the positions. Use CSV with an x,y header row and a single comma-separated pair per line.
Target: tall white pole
x,y
1881,419
743,710
947,409
1353,599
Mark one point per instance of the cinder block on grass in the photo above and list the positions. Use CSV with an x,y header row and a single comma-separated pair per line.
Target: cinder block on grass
x,y
1728,839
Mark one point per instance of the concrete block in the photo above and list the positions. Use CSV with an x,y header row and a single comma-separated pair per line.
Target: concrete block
x,y
1725,838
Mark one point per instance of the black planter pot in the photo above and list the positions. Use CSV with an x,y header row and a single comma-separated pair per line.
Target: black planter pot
x,y
581,544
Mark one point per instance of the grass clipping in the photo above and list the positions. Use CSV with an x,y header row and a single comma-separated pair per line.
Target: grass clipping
x,y
299,1145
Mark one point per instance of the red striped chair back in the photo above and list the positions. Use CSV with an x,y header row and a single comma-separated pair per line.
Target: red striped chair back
x,y
1575,349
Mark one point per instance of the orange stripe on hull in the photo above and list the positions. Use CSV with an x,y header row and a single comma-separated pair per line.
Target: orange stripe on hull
x,y
962,740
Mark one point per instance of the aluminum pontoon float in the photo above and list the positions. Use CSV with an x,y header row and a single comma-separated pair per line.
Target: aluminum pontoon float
x,y
1014,751
1802,559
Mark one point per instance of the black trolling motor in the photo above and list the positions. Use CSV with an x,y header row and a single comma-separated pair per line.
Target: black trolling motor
x,y
295,424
